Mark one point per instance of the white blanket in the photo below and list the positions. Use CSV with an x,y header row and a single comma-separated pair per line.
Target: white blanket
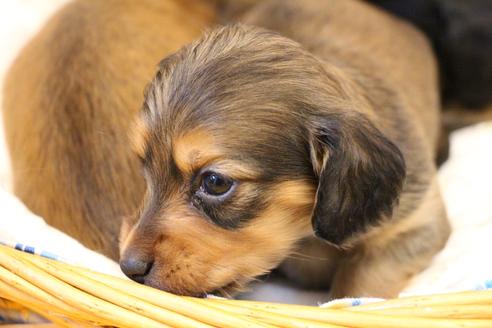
x,y
466,181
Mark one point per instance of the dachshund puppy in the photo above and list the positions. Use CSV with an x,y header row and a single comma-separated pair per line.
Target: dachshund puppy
x,y
69,100
312,132
304,131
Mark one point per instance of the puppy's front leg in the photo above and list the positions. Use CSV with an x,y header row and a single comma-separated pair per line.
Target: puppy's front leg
x,y
381,273
382,264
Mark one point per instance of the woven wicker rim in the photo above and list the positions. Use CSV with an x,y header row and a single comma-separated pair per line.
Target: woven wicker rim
x,y
71,296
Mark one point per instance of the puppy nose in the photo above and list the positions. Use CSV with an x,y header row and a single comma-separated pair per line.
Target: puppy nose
x,y
136,268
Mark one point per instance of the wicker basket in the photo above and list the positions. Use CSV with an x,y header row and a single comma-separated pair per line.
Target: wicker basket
x,y
72,296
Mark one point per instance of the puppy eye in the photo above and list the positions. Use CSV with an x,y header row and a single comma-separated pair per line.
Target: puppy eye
x,y
215,184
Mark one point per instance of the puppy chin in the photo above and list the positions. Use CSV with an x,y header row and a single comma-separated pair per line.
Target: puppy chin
x,y
229,290
161,284
187,286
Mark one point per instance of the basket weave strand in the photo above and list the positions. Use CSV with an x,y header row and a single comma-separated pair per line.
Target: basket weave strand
x,y
71,296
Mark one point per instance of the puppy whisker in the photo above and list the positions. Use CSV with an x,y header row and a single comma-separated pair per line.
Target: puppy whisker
x,y
300,256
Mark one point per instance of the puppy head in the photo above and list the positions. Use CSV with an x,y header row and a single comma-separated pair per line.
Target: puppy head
x,y
247,142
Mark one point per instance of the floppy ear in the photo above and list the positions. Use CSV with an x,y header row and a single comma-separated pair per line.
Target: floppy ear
x,y
360,174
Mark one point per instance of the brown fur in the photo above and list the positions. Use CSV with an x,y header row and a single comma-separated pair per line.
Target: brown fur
x,y
70,98
333,137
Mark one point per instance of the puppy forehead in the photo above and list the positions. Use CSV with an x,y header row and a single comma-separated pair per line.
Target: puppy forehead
x,y
191,149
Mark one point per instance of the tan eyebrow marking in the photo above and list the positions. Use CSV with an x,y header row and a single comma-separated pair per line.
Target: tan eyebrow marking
x,y
235,170
194,150
197,149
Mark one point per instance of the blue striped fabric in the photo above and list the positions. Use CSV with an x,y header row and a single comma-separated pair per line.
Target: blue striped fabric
x,y
33,250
